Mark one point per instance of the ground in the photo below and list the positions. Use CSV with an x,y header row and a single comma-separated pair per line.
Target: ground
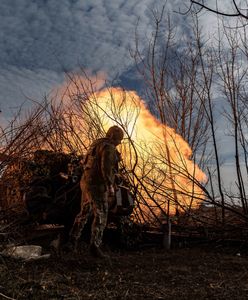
x,y
197,272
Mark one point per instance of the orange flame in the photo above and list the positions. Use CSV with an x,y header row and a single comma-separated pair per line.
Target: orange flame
x,y
158,156
163,155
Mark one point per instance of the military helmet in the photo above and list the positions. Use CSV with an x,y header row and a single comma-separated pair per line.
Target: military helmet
x,y
115,133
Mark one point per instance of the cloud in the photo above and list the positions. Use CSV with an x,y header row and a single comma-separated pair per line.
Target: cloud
x,y
40,39
54,35
207,17
17,85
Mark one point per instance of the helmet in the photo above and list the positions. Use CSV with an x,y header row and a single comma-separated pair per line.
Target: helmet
x,y
115,133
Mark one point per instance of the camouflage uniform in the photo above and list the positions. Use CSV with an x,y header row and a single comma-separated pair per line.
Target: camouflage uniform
x,y
101,165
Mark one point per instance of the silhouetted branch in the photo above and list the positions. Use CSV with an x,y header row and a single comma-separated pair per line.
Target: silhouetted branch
x,y
238,12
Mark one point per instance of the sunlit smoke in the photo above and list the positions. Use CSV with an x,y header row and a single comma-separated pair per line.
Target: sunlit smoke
x,y
156,158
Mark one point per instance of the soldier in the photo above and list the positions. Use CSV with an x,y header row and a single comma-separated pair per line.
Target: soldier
x,y
97,183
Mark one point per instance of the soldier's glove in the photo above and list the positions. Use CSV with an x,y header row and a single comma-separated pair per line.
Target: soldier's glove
x,y
111,191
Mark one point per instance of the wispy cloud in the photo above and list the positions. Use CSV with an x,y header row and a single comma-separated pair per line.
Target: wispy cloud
x,y
39,39
51,35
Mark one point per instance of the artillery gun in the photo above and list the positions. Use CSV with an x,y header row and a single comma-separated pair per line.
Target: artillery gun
x,y
47,188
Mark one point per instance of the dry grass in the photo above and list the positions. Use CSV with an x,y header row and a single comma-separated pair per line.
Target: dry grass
x,y
189,273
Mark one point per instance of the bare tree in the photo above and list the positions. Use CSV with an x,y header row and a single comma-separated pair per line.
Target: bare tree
x,y
80,113
176,90
161,150
238,10
173,82
181,90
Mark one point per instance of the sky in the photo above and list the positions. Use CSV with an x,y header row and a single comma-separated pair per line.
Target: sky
x,y
41,39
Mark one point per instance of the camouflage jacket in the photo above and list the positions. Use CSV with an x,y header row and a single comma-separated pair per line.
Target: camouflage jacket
x,y
101,163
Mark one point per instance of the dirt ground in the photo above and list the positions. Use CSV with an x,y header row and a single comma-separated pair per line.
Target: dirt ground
x,y
198,272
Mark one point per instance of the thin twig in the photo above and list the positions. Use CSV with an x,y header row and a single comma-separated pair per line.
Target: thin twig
x,y
6,297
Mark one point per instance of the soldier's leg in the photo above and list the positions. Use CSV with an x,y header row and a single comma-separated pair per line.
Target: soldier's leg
x,y
81,220
100,210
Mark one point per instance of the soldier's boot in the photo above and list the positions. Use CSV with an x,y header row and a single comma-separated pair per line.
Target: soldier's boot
x,y
97,252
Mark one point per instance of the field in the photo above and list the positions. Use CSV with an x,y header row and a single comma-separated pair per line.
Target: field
x,y
206,271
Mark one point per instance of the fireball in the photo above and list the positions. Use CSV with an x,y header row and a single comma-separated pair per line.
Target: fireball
x,y
157,160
